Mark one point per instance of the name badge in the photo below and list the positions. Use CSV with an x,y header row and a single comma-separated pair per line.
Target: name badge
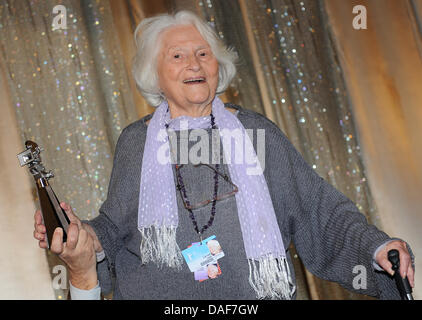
x,y
198,256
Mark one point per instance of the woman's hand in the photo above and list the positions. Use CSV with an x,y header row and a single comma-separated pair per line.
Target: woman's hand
x,y
79,255
40,231
78,252
405,260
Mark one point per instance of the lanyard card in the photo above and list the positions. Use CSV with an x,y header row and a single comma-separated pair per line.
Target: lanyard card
x,y
198,255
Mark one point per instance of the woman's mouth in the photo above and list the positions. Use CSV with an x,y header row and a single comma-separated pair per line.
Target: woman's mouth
x,y
196,80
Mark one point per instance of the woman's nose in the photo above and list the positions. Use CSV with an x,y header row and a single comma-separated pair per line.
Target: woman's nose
x,y
194,64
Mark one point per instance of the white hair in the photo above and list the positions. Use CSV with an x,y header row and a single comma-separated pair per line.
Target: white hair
x,y
147,35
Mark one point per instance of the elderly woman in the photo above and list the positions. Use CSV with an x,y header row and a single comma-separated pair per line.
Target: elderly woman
x,y
164,198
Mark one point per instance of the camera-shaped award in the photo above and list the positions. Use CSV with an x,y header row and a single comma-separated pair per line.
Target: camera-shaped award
x,y
53,215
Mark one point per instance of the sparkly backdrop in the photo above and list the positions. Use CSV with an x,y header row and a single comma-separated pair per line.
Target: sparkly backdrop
x,y
71,90
302,84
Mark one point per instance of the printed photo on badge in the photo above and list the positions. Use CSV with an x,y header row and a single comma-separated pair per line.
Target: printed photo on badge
x,y
211,271
214,247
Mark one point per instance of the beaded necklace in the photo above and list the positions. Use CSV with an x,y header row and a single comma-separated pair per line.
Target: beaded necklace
x,y
181,187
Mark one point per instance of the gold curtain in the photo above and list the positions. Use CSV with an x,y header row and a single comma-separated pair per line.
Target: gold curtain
x,y
70,92
382,67
22,263
296,62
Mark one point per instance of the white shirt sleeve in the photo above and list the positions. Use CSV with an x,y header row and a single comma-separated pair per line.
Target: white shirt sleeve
x,y
79,294
92,294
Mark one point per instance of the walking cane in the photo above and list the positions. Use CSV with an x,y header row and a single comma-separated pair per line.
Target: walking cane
x,y
402,283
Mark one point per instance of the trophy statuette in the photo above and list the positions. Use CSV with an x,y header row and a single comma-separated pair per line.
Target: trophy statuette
x,y
53,215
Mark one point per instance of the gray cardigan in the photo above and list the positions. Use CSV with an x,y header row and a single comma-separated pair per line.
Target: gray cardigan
x,y
329,233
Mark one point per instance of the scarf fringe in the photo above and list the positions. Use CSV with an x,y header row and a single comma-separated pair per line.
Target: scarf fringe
x,y
271,278
158,244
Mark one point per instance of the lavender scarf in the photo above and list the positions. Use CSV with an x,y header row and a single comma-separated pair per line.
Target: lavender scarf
x,y
269,273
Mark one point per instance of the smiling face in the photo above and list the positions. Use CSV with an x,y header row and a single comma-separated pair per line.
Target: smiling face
x,y
187,71
212,271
